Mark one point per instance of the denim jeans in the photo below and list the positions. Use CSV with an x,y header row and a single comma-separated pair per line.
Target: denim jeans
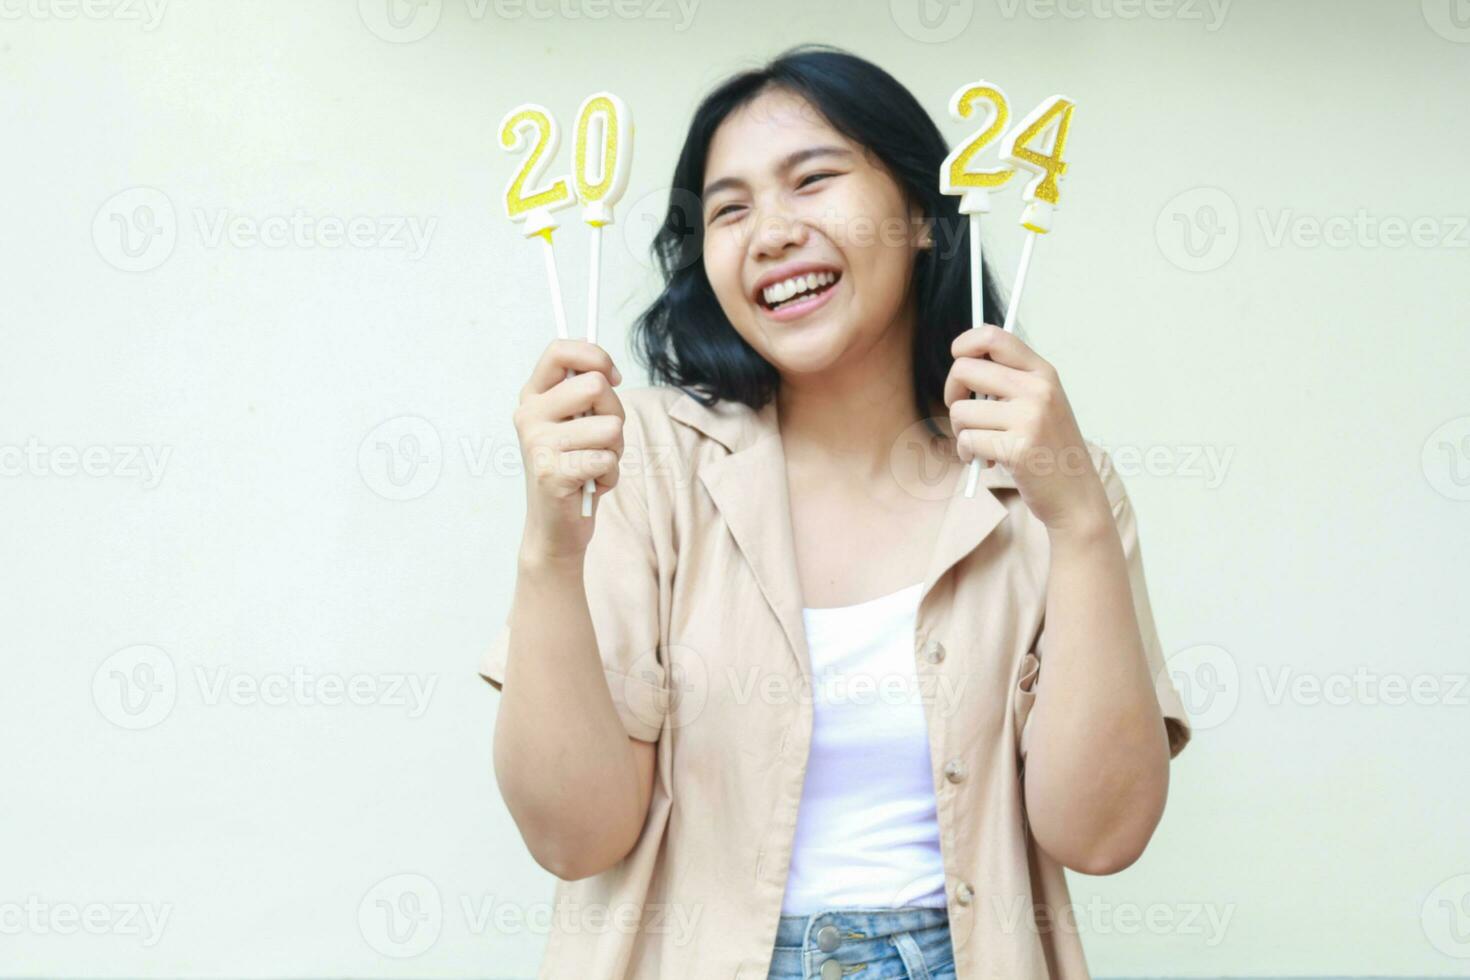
x,y
909,943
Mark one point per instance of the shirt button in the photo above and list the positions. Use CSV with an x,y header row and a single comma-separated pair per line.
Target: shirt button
x,y
828,939
935,653
963,893
831,970
954,770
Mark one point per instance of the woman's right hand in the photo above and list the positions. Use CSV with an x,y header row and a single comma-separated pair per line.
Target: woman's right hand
x,y
561,450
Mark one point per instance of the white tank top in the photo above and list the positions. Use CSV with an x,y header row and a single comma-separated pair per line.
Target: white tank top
x,y
867,831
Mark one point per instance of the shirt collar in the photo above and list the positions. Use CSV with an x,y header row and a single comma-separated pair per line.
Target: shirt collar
x,y
749,489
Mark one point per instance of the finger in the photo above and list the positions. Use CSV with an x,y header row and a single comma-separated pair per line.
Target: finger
x,y
985,378
608,479
575,468
588,432
590,392
982,413
988,340
987,444
986,414
561,355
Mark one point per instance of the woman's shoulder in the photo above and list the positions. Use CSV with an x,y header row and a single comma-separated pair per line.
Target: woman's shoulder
x,y
668,433
649,413
650,401
677,414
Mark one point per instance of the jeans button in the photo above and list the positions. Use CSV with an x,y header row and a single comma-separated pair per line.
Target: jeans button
x,y
828,939
831,970
954,770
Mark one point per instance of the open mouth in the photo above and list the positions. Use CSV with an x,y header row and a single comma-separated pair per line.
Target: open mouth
x,y
798,291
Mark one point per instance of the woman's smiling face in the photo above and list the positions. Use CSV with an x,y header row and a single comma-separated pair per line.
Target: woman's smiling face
x,y
809,242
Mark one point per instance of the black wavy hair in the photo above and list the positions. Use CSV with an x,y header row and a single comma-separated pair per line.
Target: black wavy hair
x,y
684,338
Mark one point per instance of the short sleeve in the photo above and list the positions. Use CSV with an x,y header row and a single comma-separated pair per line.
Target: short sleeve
x,y
622,583
1176,721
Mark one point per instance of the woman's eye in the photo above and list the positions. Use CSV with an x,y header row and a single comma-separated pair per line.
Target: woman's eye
x,y
721,212
811,177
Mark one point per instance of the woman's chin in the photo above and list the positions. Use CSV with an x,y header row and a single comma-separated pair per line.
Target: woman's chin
x,y
805,348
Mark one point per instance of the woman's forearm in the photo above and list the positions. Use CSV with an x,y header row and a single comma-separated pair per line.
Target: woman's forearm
x,y
1097,763
564,762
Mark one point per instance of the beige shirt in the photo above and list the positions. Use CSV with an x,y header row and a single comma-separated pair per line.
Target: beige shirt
x,y
695,599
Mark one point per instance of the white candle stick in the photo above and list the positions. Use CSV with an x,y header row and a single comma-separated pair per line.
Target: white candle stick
x,y
558,311
977,316
1020,286
599,188
594,275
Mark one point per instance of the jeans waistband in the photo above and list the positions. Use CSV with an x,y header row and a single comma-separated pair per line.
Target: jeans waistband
x,y
873,923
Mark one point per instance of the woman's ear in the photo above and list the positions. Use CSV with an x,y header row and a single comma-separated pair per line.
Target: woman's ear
x,y
926,235
925,227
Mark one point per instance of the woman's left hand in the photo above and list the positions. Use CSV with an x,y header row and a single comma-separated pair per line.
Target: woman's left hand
x,y
1027,426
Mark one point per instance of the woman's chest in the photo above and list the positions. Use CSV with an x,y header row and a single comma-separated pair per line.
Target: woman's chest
x,y
851,545
741,672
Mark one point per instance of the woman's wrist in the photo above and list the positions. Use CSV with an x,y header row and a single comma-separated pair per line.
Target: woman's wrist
x,y
1084,526
536,560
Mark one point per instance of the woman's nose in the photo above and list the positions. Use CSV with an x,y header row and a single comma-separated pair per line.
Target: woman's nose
x,y
776,230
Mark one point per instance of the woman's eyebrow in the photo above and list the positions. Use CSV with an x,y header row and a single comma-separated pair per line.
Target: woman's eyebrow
x,y
791,160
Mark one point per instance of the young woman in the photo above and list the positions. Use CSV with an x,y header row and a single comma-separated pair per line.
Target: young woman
x,y
777,710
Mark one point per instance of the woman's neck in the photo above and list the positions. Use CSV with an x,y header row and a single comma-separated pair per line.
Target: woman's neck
x,y
848,419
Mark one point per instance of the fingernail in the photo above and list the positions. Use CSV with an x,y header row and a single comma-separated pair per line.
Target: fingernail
x,y
617,376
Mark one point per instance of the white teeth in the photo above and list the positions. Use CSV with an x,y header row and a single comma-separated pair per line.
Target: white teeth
x,y
784,290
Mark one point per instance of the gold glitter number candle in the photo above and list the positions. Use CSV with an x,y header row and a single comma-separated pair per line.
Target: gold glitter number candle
x,y
603,156
1047,126
973,188
1050,119
532,128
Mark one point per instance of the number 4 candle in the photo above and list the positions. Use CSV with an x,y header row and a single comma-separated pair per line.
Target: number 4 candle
x,y
1053,117
1048,123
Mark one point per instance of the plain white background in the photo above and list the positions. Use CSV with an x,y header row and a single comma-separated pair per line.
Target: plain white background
x,y
264,323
